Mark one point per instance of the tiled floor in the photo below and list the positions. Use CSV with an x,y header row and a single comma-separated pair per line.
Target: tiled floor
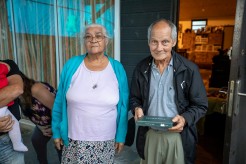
x,y
208,151
127,156
210,146
206,157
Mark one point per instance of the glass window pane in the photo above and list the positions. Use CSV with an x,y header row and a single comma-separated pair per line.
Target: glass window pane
x,y
195,23
73,16
197,27
6,42
49,32
35,38
198,24
70,17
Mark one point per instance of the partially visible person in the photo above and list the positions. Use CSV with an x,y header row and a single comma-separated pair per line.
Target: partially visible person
x,y
7,94
90,112
36,103
14,133
220,70
166,84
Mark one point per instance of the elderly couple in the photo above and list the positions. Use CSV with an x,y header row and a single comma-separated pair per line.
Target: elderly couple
x,y
90,111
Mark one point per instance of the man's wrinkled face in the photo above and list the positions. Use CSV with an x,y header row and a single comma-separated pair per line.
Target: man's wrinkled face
x,y
161,42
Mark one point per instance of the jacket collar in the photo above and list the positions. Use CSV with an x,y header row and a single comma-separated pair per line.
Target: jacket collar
x,y
146,67
178,65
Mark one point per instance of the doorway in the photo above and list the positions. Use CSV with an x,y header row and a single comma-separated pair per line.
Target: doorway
x,y
200,46
235,134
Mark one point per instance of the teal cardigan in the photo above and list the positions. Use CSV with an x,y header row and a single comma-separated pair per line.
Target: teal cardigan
x,y
59,110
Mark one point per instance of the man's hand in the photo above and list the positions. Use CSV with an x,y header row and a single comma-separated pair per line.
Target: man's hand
x,y
46,130
58,143
119,147
180,123
138,113
6,123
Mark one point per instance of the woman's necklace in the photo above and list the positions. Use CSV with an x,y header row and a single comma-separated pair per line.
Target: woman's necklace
x,y
94,86
95,77
95,74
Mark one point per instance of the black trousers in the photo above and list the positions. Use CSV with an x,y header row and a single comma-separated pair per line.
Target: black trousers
x,y
39,142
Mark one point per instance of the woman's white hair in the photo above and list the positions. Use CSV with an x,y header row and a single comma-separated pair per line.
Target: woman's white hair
x,y
104,30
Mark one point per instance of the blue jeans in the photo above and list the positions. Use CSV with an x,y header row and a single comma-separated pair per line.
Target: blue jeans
x,y
7,154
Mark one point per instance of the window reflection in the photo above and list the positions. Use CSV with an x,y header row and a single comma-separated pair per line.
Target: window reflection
x,y
46,33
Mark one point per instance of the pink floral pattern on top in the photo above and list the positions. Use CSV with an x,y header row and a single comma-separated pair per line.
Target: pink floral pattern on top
x,y
40,114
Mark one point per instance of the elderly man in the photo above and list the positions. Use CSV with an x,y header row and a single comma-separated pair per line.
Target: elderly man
x,y
166,84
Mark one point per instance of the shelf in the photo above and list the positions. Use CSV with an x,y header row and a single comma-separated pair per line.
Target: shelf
x,y
209,42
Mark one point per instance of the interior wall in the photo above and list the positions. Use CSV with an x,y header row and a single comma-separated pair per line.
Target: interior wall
x,y
211,22
221,22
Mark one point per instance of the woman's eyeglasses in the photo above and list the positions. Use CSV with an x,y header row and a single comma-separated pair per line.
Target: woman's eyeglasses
x,y
98,38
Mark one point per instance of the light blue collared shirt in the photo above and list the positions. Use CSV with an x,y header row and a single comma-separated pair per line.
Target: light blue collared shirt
x,y
162,94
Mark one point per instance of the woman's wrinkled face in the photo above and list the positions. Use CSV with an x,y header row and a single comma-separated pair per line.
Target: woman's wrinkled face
x,y
161,42
95,40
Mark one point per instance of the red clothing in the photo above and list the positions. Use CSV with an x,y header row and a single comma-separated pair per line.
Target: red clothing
x,y
3,78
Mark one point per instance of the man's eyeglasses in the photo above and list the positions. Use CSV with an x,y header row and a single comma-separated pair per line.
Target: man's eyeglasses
x,y
98,38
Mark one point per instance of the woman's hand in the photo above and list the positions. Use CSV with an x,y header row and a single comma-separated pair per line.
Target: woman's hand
x,y
119,147
58,143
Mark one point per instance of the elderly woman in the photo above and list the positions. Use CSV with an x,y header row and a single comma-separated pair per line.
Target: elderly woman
x,y
89,115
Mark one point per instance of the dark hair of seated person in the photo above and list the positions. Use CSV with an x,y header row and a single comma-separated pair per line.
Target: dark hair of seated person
x,y
26,98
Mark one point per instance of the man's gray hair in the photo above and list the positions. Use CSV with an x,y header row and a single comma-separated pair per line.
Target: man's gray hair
x,y
171,25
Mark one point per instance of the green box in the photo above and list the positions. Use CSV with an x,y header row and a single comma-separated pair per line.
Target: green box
x,y
155,121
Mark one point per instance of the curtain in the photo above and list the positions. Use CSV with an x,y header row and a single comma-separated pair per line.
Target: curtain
x,y
49,32
6,45
72,18
33,26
